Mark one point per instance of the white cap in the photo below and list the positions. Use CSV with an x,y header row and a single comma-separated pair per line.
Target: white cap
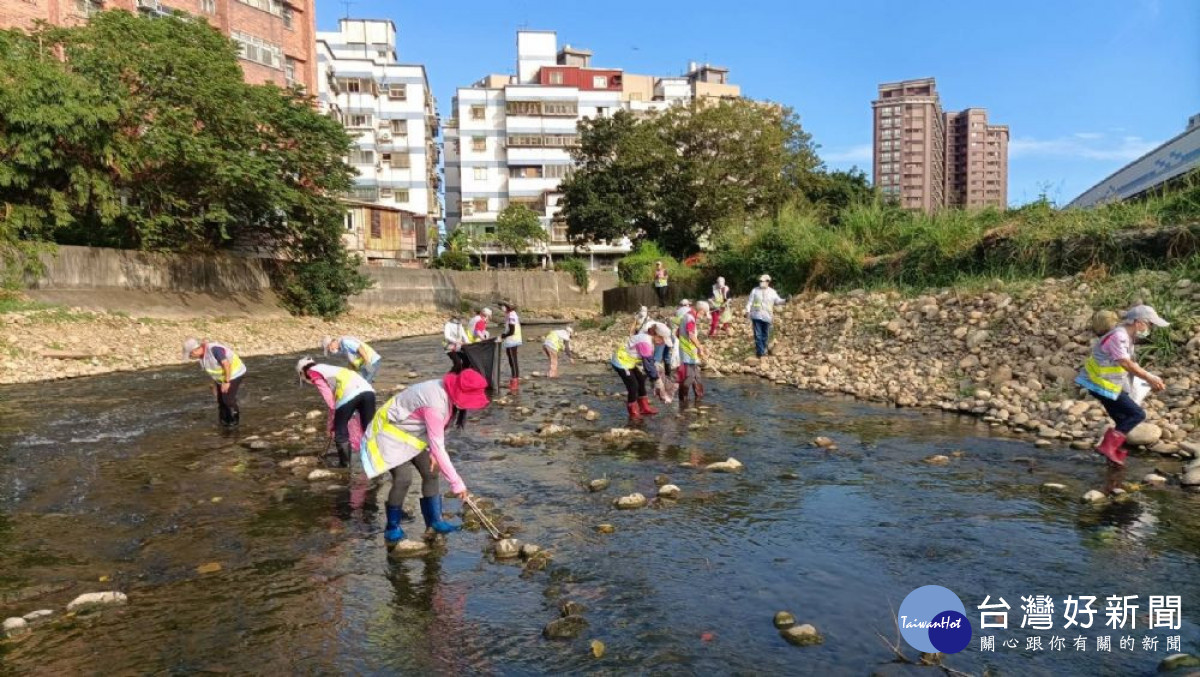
x,y
661,329
302,364
764,278
570,331
486,311
685,303
189,345
1146,314
720,282
324,346
702,306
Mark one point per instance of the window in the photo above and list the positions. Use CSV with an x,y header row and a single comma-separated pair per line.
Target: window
x,y
525,172
480,173
400,195
273,6
560,140
376,224
359,156
477,113
400,161
289,18
208,6
556,77
350,85
289,71
479,204
524,140
399,127
600,81
523,108
367,193
479,143
258,50
359,122
397,92
561,108
556,171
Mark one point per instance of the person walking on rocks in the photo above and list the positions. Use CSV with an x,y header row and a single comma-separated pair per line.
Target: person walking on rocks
x,y
351,394
761,309
1110,373
662,283
454,337
478,327
633,360
511,342
691,353
409,432
227,372
362,357
558,341
720,296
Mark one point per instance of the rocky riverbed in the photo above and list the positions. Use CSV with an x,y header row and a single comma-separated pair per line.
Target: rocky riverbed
x,y
1008,357
54,343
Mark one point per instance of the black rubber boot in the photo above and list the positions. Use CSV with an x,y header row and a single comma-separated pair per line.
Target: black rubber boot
x,y
343,453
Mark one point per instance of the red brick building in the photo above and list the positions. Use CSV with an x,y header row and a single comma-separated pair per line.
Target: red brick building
x,y
277,37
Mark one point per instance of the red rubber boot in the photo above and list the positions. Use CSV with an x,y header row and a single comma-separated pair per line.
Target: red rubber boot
x,y
1110,447
644,404
635,414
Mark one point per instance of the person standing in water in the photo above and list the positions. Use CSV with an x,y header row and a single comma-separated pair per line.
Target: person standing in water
x,y
478,327
351,394
409,432
362,357
1106,375
226,370
558,341
511,342
633,360
691,353
720,297
454,337
662,283
761,309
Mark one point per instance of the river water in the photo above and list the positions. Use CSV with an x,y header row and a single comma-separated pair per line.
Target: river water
x,y
127,478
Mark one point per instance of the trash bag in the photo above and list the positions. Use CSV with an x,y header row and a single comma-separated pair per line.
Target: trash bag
x,y
484,357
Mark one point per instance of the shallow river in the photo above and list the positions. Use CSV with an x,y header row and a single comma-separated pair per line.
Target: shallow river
x,y
127,478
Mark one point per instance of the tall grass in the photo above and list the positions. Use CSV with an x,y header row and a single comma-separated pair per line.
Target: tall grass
x,y
873,244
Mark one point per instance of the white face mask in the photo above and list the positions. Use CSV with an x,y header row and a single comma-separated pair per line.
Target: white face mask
x,y
1143,334
763,284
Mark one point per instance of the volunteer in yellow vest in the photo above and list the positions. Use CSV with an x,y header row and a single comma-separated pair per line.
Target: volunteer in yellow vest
x,y
361,356
662,283
760,307
1107,376
511,341
454,337
633,360
351,394
409,432
558,341
226,370
690,353
720,297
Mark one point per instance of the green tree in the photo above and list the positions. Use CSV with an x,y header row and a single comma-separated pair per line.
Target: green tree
x,y
145,136
676,176
518,228
832,192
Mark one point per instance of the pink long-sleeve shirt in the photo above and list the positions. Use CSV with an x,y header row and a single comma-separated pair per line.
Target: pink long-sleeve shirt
x,y
424,411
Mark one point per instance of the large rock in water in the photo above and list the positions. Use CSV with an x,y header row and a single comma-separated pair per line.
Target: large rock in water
x,y
1145,435
630,502
15,626
802,635
568,627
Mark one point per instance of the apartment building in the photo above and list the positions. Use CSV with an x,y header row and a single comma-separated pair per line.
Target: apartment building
x,y
926,158
276,37
390,111
510,137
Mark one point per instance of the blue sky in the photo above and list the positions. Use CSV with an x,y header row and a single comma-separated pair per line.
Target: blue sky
x,y
1085,86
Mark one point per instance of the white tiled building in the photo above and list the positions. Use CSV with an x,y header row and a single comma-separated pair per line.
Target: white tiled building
x,y
510,136
390,110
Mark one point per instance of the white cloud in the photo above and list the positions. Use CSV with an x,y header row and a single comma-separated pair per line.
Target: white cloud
x,y
1085,146
861,153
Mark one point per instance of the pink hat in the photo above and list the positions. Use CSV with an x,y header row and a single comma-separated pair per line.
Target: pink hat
x,y
467,390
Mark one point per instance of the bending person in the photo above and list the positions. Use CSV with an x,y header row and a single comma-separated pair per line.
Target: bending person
x,y
351,394
409,432
226,370
1106,375
558,341
362,357
633,360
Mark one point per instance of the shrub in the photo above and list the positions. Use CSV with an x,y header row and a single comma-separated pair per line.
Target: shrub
x,y
452,259
577,267
320,287
638,267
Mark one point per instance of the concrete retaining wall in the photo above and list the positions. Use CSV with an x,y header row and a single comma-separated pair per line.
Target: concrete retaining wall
x,y
534,289
168,285
630,299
